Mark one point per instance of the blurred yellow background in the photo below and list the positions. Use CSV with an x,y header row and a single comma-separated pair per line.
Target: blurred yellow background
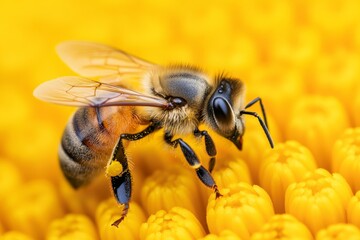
x,y
282,50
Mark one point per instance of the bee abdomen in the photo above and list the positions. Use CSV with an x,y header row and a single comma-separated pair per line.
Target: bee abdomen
x,y
78,159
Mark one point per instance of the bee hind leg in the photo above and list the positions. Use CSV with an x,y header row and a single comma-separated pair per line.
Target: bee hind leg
x,y
190,156
209,146
120,173
122,191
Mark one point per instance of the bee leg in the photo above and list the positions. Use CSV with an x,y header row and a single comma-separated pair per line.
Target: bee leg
x,y
210,147
121,183
190,156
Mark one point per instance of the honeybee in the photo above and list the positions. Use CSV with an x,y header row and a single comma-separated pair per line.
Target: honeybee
x,y
176,99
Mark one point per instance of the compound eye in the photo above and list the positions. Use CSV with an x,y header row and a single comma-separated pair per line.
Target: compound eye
x,y
223,113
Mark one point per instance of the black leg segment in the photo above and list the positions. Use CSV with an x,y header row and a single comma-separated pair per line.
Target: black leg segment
x,y
121,183
190,156
210,147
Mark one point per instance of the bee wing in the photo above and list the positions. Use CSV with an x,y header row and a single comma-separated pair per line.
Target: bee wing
x,y
77,91
100,61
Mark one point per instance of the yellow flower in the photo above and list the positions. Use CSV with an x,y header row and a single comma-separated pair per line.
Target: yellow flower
x,y
286,164
175,187
72,226
301,57
319,199
10,179
346,157
31,208
224,235
353,210
282,227
232,171
86,199
109,211
339,231
356,107
255,145
242,209
177,223
14,235
316,122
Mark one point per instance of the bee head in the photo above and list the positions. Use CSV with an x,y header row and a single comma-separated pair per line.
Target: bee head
x,y
223,109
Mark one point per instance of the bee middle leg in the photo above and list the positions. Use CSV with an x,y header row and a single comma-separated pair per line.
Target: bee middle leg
x,y
190,156
121,183
209,146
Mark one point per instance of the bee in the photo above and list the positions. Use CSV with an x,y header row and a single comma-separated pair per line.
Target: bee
x,y
176,99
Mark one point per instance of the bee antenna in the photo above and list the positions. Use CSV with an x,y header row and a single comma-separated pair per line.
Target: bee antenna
x,y
263,123
255,100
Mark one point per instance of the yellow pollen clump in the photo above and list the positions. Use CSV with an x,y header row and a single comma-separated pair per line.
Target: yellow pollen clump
x,y
283,226
339,231
177,186
242,209
346,157
287,163
319,199
109,211
177,223
353,210
72,226
114,169
316,122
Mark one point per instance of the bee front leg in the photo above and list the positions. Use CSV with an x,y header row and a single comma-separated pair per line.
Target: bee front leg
x,y
190,156
120,172
210,147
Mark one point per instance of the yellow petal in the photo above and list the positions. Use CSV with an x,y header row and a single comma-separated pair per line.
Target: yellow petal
x,y
14,235
339,231
85,199
109,211
320,199
231,172
10,179
224,235
31,208
316,122
283,226
287,163
72,226
177,223
346,157
177,186
255,139
242,209
353,210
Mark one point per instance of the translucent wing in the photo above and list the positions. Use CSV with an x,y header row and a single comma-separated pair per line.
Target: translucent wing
x,y
103,62
77,91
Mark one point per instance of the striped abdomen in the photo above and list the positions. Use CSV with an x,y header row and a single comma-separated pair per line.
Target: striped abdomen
x,y
89,138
